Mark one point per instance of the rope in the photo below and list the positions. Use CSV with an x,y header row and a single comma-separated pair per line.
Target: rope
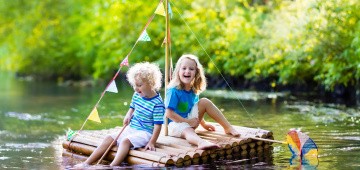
x,y
222,76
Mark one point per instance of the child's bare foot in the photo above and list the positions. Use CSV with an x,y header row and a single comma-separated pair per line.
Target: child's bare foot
x,y
203,145
233,132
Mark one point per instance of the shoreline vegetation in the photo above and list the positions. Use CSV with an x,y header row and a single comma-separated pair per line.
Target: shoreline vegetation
x,y
298,46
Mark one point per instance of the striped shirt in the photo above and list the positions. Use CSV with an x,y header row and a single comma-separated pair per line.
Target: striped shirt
x,y
147,112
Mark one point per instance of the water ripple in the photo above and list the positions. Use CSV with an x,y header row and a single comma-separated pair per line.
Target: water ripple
x,y
30,117
23,116
350,148
27,145
356,138
4,158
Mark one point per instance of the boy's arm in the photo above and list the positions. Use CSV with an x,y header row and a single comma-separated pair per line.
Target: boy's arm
x,y
128,116
154,137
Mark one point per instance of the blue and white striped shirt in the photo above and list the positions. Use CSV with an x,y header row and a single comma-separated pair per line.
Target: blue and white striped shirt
x,y
147,112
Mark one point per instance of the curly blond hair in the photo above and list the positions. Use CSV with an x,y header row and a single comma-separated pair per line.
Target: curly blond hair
x,y
199,83
146,72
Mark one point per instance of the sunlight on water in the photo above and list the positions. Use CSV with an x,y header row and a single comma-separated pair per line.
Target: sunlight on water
x,y
23,116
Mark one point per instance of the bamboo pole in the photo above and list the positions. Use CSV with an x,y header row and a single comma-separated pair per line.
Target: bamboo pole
x,y
167,55
244,153
241,129
251,144
243,146
269,140
224,138
137,161
228,151
174,140
252,152
180,152
236,149
239,140
223,143
259,149
203,153
159,156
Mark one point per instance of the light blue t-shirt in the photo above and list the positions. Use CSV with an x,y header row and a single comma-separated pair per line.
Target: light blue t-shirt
x,y
180,101
147,112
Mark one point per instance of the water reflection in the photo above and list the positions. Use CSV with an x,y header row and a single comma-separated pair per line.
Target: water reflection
x,y
310,162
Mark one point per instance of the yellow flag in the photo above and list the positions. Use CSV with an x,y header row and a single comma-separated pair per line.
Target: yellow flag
x,y
94,116
160,10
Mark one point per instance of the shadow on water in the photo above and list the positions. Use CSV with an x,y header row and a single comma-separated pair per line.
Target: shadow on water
x,y
35,115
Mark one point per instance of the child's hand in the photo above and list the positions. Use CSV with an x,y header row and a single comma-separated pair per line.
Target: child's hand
x,y
150,146
194,122
208,127
126,120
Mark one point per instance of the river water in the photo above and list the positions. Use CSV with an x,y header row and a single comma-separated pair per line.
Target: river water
x,y
35,115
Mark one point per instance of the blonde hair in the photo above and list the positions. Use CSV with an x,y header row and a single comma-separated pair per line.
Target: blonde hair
x,y
145,72
199,82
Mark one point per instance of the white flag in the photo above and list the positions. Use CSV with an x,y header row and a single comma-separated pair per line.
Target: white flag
x,y
112,87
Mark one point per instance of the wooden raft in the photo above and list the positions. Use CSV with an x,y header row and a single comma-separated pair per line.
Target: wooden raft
x,y
172,151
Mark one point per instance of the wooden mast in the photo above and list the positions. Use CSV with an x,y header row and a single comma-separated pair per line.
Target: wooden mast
x,y
167,56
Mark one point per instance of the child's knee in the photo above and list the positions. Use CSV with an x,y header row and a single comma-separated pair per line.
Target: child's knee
x,y
204,101
108,138
187,132
125,142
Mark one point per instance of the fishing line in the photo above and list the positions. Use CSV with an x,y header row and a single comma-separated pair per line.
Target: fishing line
x,y
231,89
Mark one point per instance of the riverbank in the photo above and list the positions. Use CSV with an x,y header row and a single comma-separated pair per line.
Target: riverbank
x,y
346,95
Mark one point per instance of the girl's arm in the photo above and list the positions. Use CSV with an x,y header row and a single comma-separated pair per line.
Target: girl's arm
x,y
194,122
154,137
128,116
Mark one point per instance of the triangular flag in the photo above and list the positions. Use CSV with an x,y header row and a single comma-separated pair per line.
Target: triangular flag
x,y
164,42
171,68
125,62
94,116
169,10
70,134
112,87
160,9
144,36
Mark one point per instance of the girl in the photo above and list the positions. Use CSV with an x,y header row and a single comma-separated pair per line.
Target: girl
x,y
145,115
184,108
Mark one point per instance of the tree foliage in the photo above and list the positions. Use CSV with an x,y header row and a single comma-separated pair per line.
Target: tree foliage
x,y
289,41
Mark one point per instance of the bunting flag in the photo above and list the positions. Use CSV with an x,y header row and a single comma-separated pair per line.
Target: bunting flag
x,y
169,10
125,62
112,87
70,134
164,42
171,69
94,116
160,10
144,36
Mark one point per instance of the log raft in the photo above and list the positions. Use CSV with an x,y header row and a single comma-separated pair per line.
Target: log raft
x,y
172,151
